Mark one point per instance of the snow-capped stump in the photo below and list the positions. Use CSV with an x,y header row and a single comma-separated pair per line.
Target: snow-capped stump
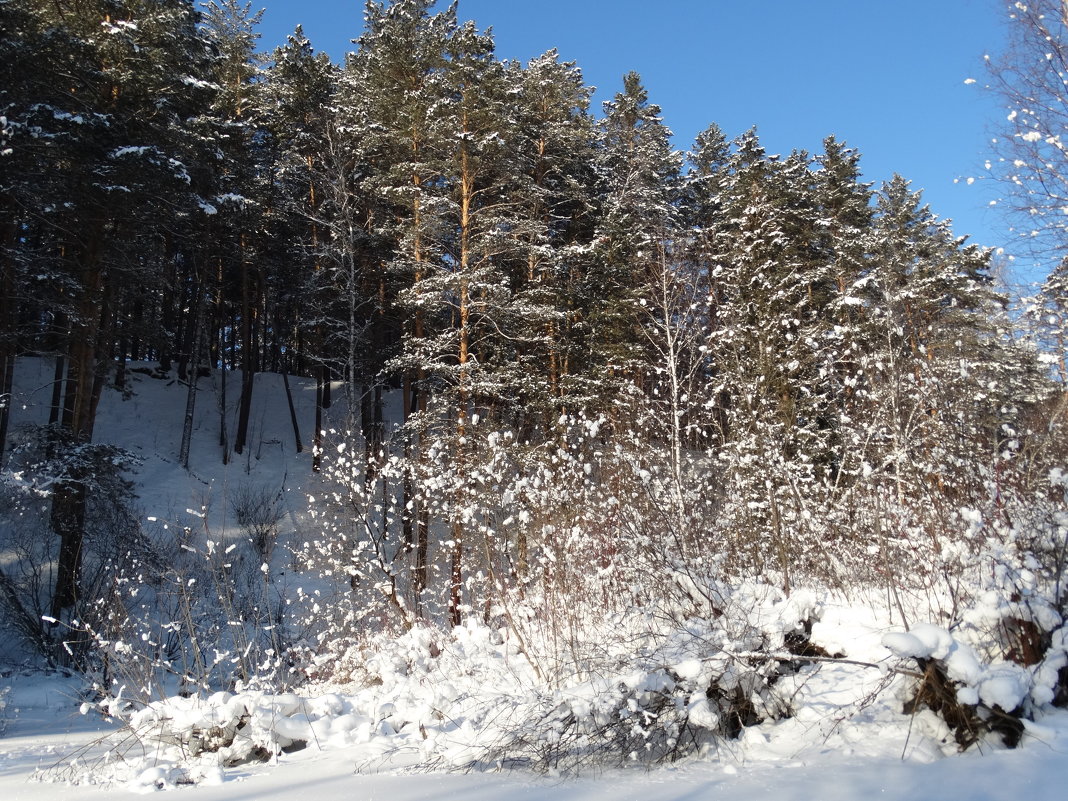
x,y
973,699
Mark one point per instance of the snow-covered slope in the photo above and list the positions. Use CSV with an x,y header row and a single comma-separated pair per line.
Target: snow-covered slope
x,y
435,700
147,421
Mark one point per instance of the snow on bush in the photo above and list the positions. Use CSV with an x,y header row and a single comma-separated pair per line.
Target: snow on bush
x,y
1005,661
470,698
1004,685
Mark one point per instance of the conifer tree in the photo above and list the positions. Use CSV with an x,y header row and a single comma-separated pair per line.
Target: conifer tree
x,y
240,199
932,309
772,352
117,145
634,237
296,110
390,96
21,86
552,190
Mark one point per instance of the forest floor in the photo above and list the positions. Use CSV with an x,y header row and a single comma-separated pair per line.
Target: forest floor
x,y
45,732
846,736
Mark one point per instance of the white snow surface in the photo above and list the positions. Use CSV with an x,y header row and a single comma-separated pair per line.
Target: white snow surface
x,y
845,737
807,757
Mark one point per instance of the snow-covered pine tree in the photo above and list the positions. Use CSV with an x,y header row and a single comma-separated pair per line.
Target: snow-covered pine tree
x,y
547,196
553,193
769,291
941,387
702,204
1047,313
633,240
240,201
296,116
389,98
467,296
115,109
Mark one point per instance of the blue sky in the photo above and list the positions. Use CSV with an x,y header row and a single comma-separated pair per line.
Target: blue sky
x,y
886,76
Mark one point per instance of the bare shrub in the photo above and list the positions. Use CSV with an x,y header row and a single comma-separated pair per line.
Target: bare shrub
x,y
258,512
112,542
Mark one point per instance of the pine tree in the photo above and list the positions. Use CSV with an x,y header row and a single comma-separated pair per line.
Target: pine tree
x,y
552,192
467,297
942,387
773,348
21,87
296,116
240,199
390,97
637,228
113,157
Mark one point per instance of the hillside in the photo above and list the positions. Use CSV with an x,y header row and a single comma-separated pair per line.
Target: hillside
x,y
524,686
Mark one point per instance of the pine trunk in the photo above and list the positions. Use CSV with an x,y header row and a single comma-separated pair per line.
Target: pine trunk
x,y
248,355
8,342
292,411
83,387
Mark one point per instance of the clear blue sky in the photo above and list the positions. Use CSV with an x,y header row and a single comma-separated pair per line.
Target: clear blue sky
x,y
886,76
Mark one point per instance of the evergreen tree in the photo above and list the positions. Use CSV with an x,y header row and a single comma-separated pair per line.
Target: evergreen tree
x,y
296,120
932,310
774,398
240,201
634,237
552,190
113,153
390,96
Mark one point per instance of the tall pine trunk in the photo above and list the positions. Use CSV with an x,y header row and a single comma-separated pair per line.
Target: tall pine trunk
x,y
248,352
463,391
82,392
192,358
292,411
8,343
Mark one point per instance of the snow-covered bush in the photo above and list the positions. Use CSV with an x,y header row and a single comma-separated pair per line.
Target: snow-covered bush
x,y
998,656
470,698
1006,660
211,618
258,513
669,687
112,539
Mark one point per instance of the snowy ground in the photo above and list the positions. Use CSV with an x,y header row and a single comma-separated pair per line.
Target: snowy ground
x,y
44,728
844,740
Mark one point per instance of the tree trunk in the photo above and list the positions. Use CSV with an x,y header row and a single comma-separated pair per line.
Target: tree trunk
x,y
187,423
7,386
58,375
322,389
189,330
422,547
8,341
408,488
224,436
83,387
244,408
68,521
292,411
370,427
192,359
248,352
